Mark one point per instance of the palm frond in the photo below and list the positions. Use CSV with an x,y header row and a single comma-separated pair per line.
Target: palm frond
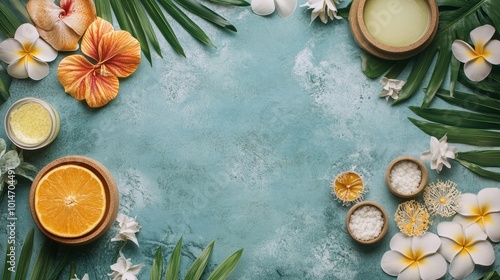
x,y
8,20
5,81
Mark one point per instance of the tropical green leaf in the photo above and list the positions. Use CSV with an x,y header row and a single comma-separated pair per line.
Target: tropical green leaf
x,y
25,256
45,260
473,102
488,86
197,268
161,22
157,267
484,158
133,23
223,270
172,271
197,8
72,270
374,67
471,136
185,21
21,9
7,273
479,170
145,24
8,21
492,275
242,3
458,118
5,81
103,9
60,266
344,12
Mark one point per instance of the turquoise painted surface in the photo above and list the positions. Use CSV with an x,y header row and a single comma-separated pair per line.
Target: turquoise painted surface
x,y
239,144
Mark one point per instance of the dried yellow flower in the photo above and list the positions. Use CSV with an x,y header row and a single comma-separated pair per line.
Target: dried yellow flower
x,y
348,187
412,218
442,198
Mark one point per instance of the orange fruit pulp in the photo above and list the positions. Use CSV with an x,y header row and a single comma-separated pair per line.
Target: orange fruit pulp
x,y
70,201
348,186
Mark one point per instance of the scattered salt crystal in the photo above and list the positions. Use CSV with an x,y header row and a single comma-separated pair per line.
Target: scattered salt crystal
x,y
405,177
366,223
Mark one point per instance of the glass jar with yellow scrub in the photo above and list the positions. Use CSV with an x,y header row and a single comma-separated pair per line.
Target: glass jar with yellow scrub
x,y
31,123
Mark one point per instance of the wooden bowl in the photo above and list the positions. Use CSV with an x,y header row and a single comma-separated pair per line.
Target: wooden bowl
x,y
423,181
112,198
367,42
385,227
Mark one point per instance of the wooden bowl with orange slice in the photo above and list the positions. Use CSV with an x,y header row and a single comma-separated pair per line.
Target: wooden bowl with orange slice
x,y
74,200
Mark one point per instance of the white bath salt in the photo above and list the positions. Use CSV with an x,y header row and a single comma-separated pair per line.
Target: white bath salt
x,y
366,223
405,177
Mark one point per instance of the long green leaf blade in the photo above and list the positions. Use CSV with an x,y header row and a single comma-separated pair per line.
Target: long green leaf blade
x,y
479,170
202,11
484,158
223,270
242,3
45,260
374,67
471,136
5,81
185,21
161,22
458,118
473,102
62,264
157,267
72,270
8,21
134,24
25,256
103,9
440,70
172,272
21,9
146,25
197,268
7,273
492,275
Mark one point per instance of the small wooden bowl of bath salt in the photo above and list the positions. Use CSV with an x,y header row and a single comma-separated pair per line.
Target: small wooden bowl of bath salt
x,y
406,176
367,222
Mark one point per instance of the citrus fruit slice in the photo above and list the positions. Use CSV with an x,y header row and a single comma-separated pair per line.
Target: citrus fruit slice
x,y
70,201
348,186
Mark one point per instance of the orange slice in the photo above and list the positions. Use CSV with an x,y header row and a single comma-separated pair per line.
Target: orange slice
x,y
70,201
348,186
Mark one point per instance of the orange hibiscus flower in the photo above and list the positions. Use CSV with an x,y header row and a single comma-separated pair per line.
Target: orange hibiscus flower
x,y
117,54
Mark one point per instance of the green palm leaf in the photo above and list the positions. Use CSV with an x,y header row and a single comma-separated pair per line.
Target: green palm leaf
x,y
485,158
103,8
458,118
5,81
241,3
157,267
222,271
479,170
8,20
174,263
472,102
197,268
204,12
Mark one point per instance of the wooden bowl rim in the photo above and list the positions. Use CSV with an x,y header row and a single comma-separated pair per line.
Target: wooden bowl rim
x,y
385,227
112,198
423,180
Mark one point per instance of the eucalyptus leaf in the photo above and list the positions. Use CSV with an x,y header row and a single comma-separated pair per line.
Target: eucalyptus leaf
x,y
3,147
9,160
458,118
157,267
223,270
197,268
25,256
479,170
172,271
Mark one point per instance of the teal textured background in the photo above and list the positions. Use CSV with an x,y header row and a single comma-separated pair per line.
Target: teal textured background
x,y
239,144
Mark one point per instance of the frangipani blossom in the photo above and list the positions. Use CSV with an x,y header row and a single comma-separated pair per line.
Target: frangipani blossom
x,y
464,247
482,209
323,8
85,277
392,88
128,228
478,60
439,153
62,27
124,270
414,257
266,7
117,55
27,54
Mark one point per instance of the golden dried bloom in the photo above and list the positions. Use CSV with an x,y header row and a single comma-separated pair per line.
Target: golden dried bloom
x,y
442,198
412,218
348,187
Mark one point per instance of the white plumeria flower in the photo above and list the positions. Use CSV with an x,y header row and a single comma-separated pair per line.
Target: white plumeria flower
x,y
323,8
27,54
414,257
464,247
478,60
128,228
482,209
392,88
85,277
266,7
124,270
439,153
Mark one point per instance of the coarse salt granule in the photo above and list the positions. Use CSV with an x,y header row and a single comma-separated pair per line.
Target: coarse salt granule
x,y
366,223
405,177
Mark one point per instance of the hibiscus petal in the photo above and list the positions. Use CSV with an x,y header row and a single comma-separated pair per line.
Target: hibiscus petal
x,y
402,243
27,35
101,90
36,69
432,267
426,244
481,35
449,248
72,72
482,253
462,265
93,35
43,51
492,52
44,13
469,205
492,226
79,14
477,69
263,7
61,37
394,262
286,8
488,200
120,53
11,51
18,69
463,51
451,230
